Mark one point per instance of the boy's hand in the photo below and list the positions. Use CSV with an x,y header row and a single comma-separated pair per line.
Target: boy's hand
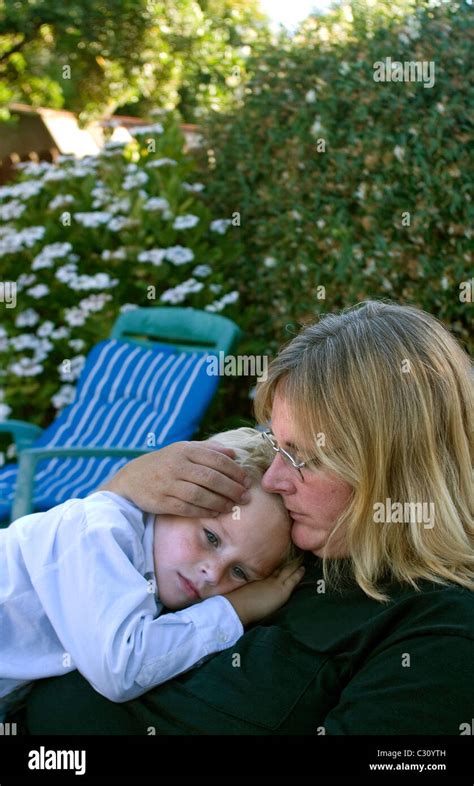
x,y
183,479
256,600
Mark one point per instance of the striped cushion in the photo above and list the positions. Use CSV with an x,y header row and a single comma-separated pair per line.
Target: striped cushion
x,y
127,396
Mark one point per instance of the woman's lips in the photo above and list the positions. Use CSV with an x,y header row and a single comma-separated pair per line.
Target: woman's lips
x,y
189,588
294,515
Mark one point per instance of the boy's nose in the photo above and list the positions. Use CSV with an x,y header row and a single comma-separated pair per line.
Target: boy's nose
x,y
211,573
278,478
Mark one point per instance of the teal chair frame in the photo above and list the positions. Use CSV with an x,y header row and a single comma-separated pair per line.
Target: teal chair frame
x,y
186,329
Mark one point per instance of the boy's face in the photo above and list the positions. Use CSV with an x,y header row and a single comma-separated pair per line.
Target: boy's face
x,y
196,558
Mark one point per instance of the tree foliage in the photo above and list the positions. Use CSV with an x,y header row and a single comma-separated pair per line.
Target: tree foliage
x,y
96,56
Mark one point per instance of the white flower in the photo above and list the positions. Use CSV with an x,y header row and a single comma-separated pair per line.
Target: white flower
x,y
269,262
120,206
60,201
159,162
16,240
26,367
77,344
94,302
24,341
215,288
25,280
33,168
118,223
179,293
49,253
316,128
156,203
344,69
296,215
231,297
201,271
24,190
81,170
220,225
173,296
320,223
399,153
11,451
179,255
54,175
114,145
99,281
156,128
213,307
185,222
42,350
65,157
361,192
154,255
45,329
135,180
92,219
66,273
128,307
64,396
310,97
13,209
40,290
119,253
61,332
27,318
444,282
75,368
4,413
440,108
194,187
219,305
75,317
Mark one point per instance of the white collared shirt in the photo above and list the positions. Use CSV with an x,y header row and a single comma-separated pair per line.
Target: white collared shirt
x,y
78,591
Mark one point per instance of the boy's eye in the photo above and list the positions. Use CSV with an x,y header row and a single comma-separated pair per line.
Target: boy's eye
x,y
239,573
211,537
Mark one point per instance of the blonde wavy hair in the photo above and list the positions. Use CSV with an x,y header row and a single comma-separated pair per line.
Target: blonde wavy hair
x,y
391,390
255,456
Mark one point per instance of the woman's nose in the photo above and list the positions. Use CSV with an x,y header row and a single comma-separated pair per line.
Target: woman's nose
x,y
278,477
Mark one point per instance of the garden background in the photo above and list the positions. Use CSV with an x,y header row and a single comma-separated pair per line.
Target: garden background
x,y
313,186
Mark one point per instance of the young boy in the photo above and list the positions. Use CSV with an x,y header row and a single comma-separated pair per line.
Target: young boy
x,y
83,585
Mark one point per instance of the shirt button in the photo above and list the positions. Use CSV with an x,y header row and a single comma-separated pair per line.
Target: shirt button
x,y
221,636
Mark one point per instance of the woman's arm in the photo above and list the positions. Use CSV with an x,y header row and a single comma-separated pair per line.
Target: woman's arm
x,y
183,479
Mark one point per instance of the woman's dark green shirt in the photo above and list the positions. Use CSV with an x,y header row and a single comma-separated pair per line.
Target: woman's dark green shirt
x,y
328,662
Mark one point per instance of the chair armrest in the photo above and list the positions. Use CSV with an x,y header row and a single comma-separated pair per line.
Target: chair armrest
x,y
23,502
23,433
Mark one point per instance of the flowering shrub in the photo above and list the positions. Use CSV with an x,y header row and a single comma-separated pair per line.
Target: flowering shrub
x,y
85,239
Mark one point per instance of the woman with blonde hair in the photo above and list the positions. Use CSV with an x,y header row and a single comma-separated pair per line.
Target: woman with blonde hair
x,y
371,428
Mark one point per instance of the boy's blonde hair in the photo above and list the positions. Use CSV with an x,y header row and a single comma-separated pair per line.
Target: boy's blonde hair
x,y
391,391
255,456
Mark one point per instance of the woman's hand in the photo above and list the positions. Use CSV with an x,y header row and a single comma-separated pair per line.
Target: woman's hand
x,y
183,479
256,600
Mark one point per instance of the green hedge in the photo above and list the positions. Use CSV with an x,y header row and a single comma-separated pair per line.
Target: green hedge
x,y
335,219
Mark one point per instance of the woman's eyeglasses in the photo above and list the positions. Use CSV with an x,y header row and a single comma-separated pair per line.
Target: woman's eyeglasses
x,y
270,438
